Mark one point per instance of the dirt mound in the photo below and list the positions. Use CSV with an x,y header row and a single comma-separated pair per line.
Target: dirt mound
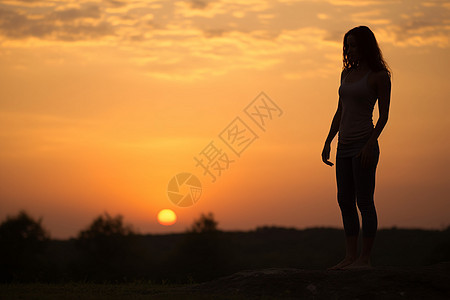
x,y
432,282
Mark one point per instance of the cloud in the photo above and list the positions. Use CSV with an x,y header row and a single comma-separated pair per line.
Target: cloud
x,y
117,3
196,56
322,16
196,38
198,4
404,23
199,8
71,14
420,26
210,9
355,3
374,17
28,3
70,24
402,36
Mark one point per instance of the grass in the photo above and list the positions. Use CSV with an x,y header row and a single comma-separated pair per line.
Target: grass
x,y
138,290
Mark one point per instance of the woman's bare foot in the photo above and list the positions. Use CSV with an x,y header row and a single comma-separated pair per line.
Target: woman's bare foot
x,y
345,262
359,264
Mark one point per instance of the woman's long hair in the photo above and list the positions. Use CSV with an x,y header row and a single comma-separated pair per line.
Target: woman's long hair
x,y
368,49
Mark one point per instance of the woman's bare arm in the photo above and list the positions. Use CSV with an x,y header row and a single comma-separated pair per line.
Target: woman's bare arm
x,y
383,89
334,128
383,85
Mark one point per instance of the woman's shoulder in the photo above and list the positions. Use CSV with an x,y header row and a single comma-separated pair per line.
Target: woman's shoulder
x,y
379,79
344,73
381,75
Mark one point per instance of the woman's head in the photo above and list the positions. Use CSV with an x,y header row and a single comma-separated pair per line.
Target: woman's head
x,y
360,44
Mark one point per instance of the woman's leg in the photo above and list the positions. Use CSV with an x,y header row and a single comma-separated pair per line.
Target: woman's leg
x,y
346,194
364,178
347,202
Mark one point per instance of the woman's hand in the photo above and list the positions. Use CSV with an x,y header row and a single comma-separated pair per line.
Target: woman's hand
x,y
367,154
326,154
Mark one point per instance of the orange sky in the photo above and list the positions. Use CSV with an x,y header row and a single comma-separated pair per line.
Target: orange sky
x,y
102,102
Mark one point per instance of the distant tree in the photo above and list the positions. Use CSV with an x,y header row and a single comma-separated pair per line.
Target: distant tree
x,y
106,247
23,228
202,254
205,223
22,242
106,226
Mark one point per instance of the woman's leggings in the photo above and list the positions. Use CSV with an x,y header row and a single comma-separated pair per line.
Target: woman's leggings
x,y
356,185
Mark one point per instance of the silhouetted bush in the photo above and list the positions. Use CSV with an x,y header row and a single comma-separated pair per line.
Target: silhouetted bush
x,y
23,241
203,254
106,248
106,226
204,224
109,251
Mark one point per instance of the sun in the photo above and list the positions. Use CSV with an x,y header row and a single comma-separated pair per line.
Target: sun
x,y
167,217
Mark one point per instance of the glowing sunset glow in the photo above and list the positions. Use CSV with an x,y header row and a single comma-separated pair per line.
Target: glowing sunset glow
x,y
167,217
102,103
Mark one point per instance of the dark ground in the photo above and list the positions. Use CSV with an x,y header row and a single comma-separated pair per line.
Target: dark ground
x,y
266,263
431,282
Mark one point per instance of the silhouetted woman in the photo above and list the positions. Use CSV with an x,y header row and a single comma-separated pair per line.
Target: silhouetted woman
x,y
364,80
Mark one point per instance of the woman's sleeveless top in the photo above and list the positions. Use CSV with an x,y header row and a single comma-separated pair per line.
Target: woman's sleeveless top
x,y
356,124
